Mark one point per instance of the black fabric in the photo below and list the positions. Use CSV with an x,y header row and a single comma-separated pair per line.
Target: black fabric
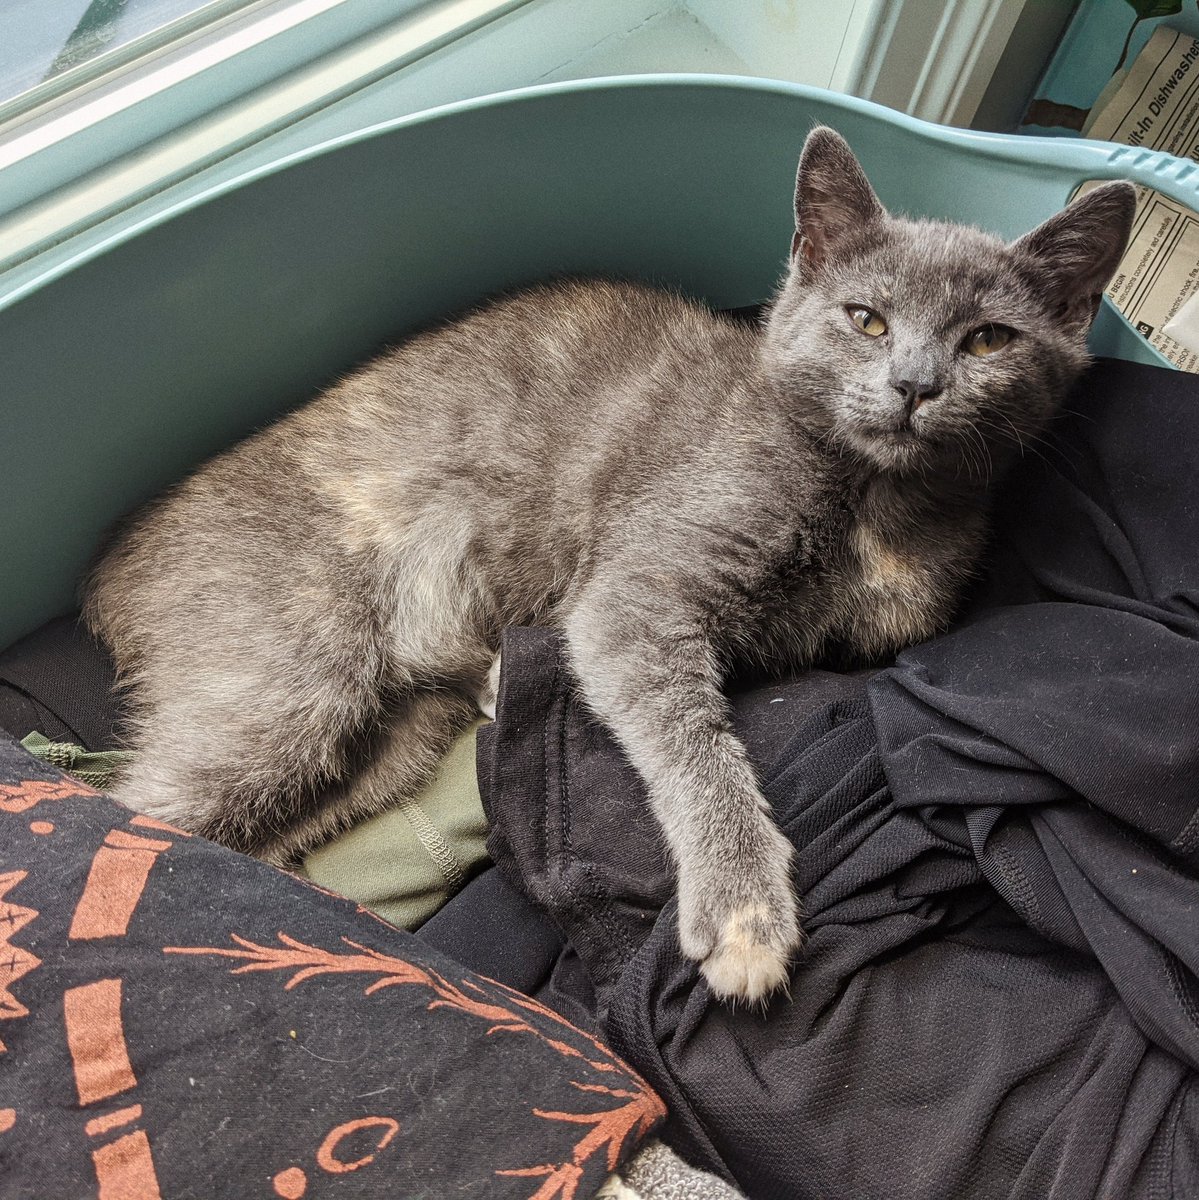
x,y
493,929
546,757
58,680
179,1020
1078,678
995,847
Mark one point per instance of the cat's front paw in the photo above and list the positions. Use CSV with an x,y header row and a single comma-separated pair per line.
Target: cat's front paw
x,y
742,931
752,955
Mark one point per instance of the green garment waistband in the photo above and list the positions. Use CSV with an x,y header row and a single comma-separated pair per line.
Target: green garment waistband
x,y
96,768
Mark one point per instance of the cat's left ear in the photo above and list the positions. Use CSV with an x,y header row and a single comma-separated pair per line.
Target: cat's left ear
x,y
833,197
1077,251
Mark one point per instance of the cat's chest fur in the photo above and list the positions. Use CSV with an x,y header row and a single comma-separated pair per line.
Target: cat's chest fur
x,y
893,591
857,579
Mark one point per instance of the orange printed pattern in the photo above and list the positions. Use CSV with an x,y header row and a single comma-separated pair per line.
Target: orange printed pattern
x,y
15,961
96,1039
125,1170
152,823
327,1157
113,1120
115,884
20,797
609,1131
292,1182
104,1075
92,1012
637,1108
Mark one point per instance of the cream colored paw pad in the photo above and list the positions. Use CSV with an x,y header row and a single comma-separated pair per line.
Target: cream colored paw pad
x,y
745,965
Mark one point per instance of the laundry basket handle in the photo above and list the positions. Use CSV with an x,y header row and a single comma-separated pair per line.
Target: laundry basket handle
x,y
1177,178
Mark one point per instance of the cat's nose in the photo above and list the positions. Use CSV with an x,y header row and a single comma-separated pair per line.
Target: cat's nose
x,y
915,393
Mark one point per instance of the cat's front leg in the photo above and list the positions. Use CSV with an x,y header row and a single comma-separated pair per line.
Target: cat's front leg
x,y
651,675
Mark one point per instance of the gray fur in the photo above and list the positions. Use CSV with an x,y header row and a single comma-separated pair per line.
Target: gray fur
x,y
304,624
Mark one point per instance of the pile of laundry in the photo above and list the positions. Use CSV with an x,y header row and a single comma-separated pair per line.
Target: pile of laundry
x,y
997,848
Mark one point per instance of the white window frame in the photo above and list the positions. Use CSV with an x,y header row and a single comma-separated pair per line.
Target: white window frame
x,y
275,76
83,154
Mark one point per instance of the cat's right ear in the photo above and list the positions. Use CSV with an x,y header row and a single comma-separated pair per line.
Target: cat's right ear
x,y
1077,251
833,197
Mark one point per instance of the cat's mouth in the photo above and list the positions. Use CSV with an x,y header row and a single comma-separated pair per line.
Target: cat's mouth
x,y
888,445
902,435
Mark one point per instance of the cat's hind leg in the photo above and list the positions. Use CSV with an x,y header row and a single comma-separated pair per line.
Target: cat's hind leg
x,y
240,752
410,741
485,696
278,788
283,680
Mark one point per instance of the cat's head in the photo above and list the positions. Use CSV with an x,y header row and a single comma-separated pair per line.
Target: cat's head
x,y
918,344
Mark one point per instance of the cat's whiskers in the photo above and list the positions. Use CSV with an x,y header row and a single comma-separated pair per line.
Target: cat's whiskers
x,y
987,455
1011,423
835,440
978,465
1025,447
1074,412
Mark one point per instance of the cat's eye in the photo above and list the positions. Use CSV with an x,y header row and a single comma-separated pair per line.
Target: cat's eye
x,y
866,319
986,339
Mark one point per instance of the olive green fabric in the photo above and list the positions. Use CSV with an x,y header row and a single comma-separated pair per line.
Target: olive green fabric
x,y
96,768
403,864
407,862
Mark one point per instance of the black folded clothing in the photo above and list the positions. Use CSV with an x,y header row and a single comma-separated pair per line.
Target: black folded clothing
x,y
996,846
58,680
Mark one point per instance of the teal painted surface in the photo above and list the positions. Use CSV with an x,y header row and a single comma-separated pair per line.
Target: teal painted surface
x,y
1090,50
128,364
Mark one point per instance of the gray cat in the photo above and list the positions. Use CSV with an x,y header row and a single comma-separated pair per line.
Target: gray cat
x,y
307,621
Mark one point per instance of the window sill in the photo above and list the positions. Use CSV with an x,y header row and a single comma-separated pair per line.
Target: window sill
x,y
84,157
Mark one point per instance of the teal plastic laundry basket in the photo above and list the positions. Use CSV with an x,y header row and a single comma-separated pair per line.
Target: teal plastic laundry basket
x,y
126,366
